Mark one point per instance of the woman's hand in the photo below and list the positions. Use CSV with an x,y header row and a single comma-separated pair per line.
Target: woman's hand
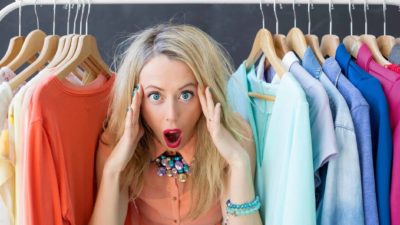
x,y
227,145
133,132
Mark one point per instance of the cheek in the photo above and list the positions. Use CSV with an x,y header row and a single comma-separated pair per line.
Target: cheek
x,y
150,114
191,114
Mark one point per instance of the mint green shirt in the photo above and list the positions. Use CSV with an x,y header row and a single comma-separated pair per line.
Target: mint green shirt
x,y
281,129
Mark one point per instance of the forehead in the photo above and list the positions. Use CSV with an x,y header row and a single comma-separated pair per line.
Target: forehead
x,y
164,72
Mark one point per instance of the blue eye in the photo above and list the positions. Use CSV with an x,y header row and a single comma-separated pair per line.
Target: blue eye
x,y
154,96
186,95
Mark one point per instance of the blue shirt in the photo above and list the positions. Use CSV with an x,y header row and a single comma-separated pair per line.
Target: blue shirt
x,y
381,134
341,190
359,109
324,145
284,172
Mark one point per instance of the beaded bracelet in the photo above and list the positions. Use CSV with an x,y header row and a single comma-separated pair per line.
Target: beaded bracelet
x,y
242,209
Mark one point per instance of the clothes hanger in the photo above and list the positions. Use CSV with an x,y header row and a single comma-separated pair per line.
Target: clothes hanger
x,y
295,39
279,39
263,43
352,42
370,41
46,54
312,40
329,43
351,35
385,42
15,44
61,43
32,45
86,51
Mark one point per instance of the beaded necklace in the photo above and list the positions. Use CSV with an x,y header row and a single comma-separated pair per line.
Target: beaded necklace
x,y
172,164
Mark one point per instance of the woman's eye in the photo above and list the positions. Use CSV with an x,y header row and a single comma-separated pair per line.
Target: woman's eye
x,y
186,96
154,96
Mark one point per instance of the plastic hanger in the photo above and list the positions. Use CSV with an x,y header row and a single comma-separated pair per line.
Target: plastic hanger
x,y
370,41
385,42
88,52
46,54
295,39
312,40
329,43
33,44
279,39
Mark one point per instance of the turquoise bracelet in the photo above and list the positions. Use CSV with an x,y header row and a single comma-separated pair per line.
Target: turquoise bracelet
x,y
243,209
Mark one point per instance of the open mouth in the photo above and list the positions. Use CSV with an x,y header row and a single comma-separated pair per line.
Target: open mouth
x,y
173,137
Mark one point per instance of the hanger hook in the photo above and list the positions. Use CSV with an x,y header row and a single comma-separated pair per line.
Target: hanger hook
x,y
78,6
294,13
37,18
54,18
262,14
384,17
365,16
19,17
330,16
276,19
69,15
87,17
351,6
82,12
309,15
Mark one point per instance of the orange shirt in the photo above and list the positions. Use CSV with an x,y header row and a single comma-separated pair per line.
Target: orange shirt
x,y
58,175
164,200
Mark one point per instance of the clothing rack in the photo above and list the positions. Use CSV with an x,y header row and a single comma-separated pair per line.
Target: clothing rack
x,y
9,8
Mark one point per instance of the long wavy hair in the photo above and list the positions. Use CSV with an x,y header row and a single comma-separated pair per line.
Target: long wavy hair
x,y
211,66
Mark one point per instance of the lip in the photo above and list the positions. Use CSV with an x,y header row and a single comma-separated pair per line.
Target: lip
x,y
177,142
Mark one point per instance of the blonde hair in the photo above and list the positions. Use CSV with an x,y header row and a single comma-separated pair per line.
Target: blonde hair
x,y
211,66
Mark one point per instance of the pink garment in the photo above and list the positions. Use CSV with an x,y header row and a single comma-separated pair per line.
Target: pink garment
x,y
393,67
390,81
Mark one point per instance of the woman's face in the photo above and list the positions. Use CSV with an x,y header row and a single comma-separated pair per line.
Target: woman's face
x,y
170,104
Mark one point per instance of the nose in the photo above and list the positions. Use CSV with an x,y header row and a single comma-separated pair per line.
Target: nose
x,y
172,111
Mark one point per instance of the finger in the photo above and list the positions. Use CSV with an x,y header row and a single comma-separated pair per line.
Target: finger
x,y
217,113
203,102
136,102
210,103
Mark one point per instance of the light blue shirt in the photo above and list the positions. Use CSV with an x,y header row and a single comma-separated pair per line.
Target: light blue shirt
x,y
281,129
341,190
359,109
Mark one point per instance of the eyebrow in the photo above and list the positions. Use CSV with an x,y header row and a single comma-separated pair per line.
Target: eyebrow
x,y
184,86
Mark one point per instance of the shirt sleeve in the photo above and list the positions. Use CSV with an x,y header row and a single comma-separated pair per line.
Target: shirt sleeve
x,y
41,187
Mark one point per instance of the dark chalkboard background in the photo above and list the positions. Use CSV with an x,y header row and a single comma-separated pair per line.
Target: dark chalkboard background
x,y
234,26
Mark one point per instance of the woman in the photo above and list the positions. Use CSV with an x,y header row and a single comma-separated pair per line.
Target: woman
x,y
169,154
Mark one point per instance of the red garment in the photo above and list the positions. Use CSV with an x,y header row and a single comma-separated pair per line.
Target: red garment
x,y
390,81
393,67
63,130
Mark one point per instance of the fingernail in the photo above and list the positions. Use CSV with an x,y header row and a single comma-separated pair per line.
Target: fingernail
x,y
127,109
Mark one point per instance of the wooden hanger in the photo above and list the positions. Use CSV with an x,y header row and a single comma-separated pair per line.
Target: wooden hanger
x,y
32,45
370,41
14,47
329,44
312,41
263,43
353,45
86,51
385,44
296,41
279,39
46,54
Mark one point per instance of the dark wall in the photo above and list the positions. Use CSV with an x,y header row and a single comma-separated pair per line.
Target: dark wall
x,y
234,26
